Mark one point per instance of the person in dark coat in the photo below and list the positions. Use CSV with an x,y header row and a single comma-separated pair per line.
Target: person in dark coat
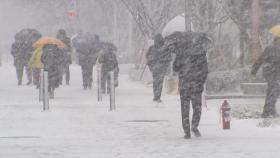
x,y
87,46
51,59
21,59
28,54
24,40
109,62
192,68
270,60
67,59
158,60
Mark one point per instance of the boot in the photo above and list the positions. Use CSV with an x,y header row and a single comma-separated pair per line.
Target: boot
x,y
51,94
90,86
157,100
85,87
29,83
196,132
187,135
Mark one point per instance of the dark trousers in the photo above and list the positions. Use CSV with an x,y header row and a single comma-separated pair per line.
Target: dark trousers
x,y
28,71
36,76
272,94
87,71
186,97
19,71
67,73
158,79
65,70
105,82
53,77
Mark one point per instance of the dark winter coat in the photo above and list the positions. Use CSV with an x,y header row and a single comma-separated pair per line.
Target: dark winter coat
x,y
109,62
89,54
87,57
67,59
51,58
18,54
270,60
61,35
158,59
191,64
21,53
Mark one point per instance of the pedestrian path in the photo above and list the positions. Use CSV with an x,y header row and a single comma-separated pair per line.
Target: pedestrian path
x,y
77,126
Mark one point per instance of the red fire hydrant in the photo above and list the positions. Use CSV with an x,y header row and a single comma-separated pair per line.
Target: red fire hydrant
x,y
225,110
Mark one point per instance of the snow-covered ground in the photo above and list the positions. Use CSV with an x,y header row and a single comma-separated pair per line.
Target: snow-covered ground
x,y
77,126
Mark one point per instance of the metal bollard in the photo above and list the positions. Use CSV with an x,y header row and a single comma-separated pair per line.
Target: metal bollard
x,y
99,90
112,92
41,89
46,92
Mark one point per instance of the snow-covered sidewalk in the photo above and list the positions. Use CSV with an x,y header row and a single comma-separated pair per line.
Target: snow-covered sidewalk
x,y
77,126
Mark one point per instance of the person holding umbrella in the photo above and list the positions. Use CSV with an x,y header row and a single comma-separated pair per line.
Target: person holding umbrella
x,y
19,60
192,68
36,64
22,51
158,60
109,63
87,46
51,58
270,62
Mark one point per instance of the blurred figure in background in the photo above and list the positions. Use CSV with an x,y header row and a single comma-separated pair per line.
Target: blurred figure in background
x,y
36,64
22,50
158,60
67,59
270,60
19,60
109,63
51,59
87,46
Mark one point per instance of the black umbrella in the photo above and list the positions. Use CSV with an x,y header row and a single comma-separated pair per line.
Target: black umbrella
x,y
86,43
83,41
28,36
187,41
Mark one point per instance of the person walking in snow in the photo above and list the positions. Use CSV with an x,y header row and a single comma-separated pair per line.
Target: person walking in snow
x,y
109,63
87,46
158,60
67,59
192,68
270,60
21,56
51,58
36,64
22,51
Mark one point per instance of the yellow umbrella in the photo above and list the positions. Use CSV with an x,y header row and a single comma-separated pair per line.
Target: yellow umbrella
x,y
48,40
275,30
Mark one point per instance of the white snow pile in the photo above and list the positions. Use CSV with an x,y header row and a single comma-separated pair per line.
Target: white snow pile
x,y
247,111
254,112
269,122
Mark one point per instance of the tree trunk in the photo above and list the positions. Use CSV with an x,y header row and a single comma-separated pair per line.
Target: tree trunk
x,y
255,30
242,46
